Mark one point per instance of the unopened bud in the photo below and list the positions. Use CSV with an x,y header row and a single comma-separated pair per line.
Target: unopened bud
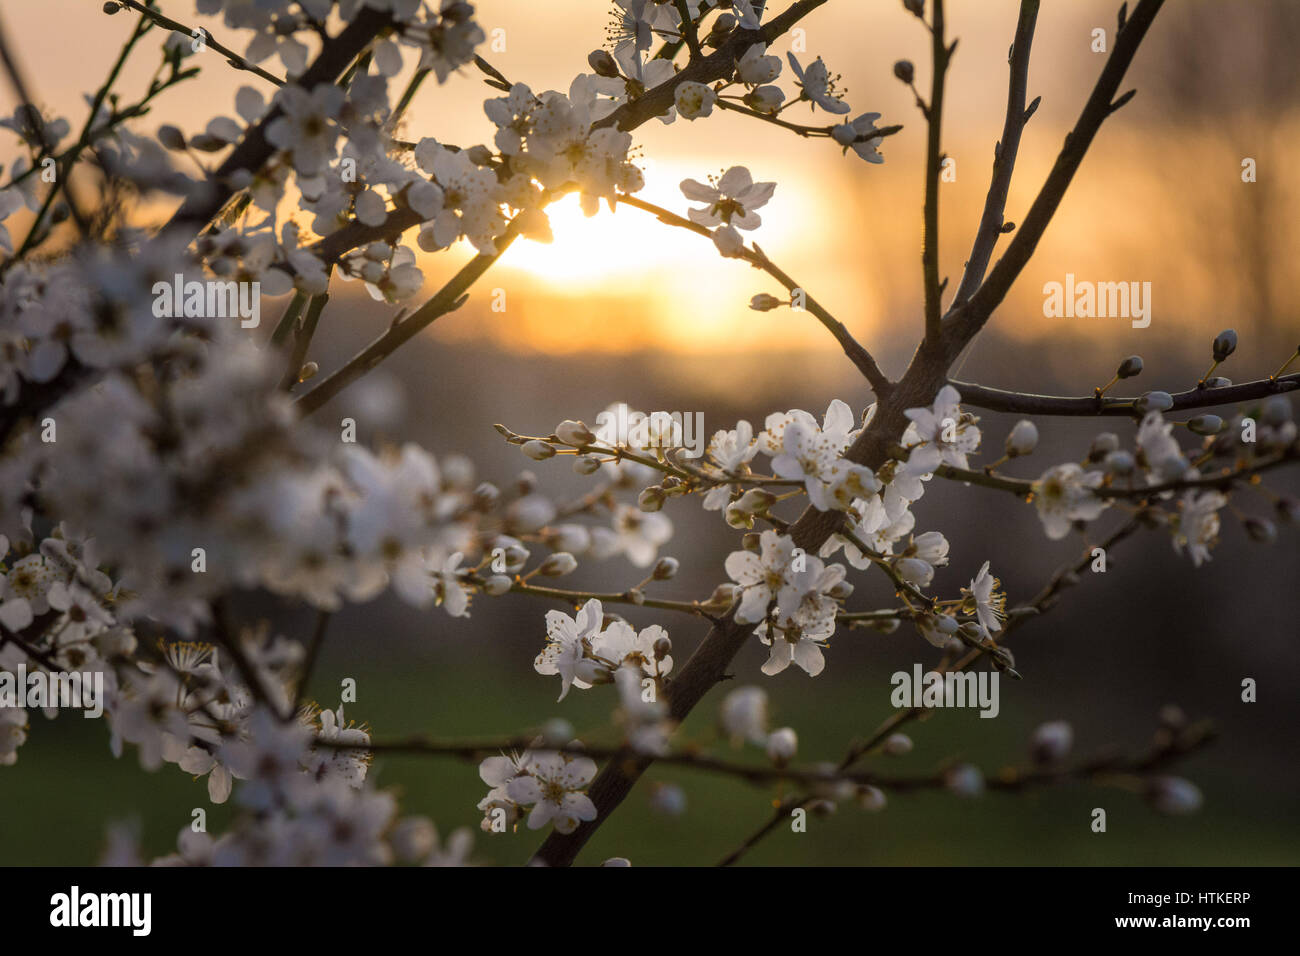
x,y
558,565
602,64
1052,742
1265,532
1205,424
904,70
756,501
897,744
486,495
723,595
665,569
871,799
574,433
537,450
782,745
1155,402
1130,367
1103,445
965,780
1225,343
765,303
497,585
1173,795
557,732
652,499
586,465
1120,462
1023,439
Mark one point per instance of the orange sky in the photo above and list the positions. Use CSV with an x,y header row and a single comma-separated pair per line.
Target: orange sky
x,y
848,231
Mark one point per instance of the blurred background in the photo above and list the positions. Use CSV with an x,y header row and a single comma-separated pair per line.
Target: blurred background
x,y
620,307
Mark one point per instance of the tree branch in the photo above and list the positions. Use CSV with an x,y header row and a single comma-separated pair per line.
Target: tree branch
x,y
1004,154
968,318
933,157
1025,403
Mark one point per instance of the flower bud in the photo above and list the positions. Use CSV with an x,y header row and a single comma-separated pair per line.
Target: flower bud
x,y
636,596
662,648
725,23
1130,367
756,501
497,585
1155,402
871,799
897,744
723,595
965,780
1225,343
617,861
904,70
765,303
537,450
1173,795
743,714
1265,532
823,808
915,7
651,499
486,495
516,557
1102,445
1051,742
752,542
574,433
665,569
557,732
574,538
586,465
1277,412
1023,438
602,64
668,799
1120,462
1205,425
782,745
558,565
479,155
1218,382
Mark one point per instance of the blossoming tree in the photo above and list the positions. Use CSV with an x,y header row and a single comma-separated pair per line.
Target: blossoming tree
x,y
156,453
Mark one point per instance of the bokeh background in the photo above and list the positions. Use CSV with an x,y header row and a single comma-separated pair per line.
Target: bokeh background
x,y
622,308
